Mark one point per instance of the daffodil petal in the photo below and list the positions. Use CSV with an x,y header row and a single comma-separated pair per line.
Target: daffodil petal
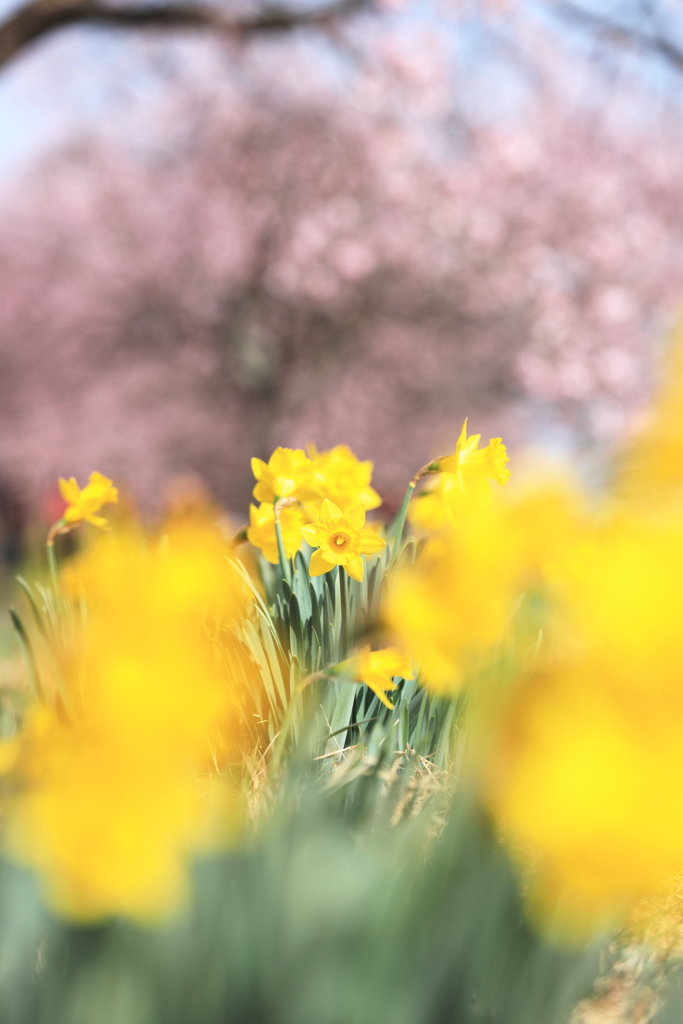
x,y
370,499
319,564
354,567
329,511
73,515
449,464
310,534
99,521
370,542
379,693
356,516
69,490
264,493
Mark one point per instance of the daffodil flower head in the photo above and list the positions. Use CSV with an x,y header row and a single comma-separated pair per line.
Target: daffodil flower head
x,y
451,606
338,474
106,805
285,475
437,507
341,540
83,504
586,775
379,669
473,466
261,531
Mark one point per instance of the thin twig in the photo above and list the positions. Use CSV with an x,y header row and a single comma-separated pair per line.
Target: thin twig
x,y
38,18
621,33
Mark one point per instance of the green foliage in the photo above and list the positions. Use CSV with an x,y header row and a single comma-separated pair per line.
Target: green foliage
x,y
303,627
329,915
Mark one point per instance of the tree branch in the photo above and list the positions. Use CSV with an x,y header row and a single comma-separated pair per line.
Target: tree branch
x,y
617,31
40,17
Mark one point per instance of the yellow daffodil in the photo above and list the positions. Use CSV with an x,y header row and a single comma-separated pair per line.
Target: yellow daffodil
x,y
452,606
436,508
587,777
473,466
464,481
378,669
83,504
261,532
454,602
104,798
286,475
652,468
340,476
341,540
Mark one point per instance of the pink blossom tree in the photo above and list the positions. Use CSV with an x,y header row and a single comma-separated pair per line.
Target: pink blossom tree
x,y
367,263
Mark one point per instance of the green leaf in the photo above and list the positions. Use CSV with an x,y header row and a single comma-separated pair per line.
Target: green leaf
x,y
27,653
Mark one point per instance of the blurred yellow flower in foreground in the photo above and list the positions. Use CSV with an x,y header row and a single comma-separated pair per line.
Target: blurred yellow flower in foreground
x,y
340,476
377,669
454,603
261,532
83,504
433,509
341,540
286,475
588,772
106,801
651,469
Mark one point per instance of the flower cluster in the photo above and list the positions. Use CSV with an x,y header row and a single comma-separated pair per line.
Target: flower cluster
x,y
293,488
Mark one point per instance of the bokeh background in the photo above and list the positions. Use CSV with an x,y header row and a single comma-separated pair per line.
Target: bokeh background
x,y
352,222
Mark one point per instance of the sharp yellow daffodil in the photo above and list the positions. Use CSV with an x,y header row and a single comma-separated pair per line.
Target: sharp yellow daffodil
x,y
341,540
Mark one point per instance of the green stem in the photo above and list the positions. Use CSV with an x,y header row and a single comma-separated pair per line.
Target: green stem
x,y
279,745
344,612
284,564
27,654
396,531
52,564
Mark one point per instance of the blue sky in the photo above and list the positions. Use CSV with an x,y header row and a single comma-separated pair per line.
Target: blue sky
x,y
75,80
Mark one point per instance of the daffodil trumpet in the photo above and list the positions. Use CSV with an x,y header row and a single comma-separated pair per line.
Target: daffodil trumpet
x,y
342,540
